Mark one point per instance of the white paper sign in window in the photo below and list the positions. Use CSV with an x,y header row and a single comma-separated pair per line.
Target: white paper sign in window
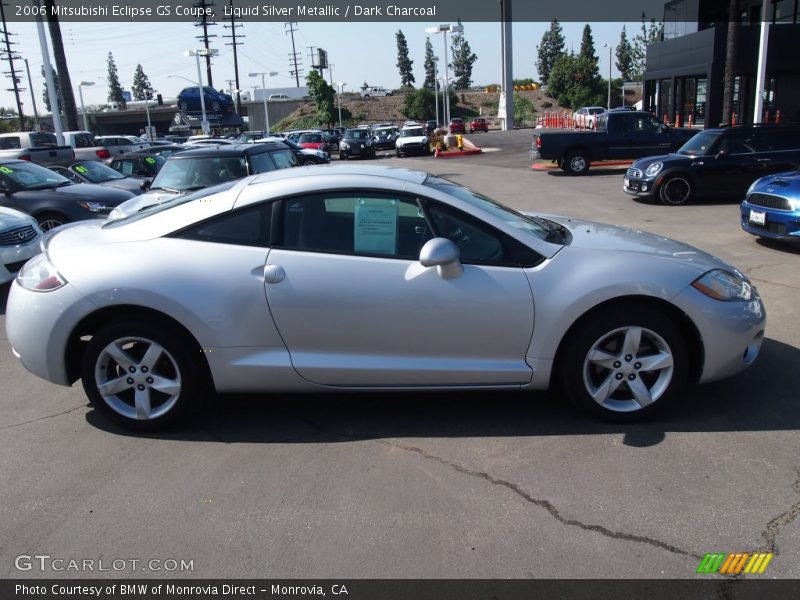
x,y
376,226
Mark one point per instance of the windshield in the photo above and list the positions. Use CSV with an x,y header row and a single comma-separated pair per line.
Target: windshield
x,y
416,132
31,177
188,174
700,144
596,110
357,134
387,131
535,226
96,172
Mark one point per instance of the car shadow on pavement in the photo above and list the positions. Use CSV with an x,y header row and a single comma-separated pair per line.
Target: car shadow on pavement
x,y
763,398
790,246
593,172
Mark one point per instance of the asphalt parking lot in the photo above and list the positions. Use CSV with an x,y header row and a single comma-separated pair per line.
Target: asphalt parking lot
x,y
419,485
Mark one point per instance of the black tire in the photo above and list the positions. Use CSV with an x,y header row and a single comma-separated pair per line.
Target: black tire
x,y
676,190
576,162
309,161
183,105
51,220
618,383
178,364
342,156
398,154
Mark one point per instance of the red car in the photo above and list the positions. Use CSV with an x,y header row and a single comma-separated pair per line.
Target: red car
x,y
478,124
314,141
457,126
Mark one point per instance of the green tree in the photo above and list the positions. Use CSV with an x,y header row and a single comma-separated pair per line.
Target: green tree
x,y
430,67
324,98
419,105
141,85
463,60
403,62
574,82
45,96
114,88
649,34
624,55
551,47
587,44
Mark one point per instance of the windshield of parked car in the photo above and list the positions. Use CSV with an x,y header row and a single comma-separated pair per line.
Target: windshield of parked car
x,y
187,174
535,226
415,132
700,144
30,177
357,134
383,132
96,172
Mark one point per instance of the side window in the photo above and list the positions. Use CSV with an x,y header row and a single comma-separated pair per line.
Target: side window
x,y
284,159
249,226
738,143
475,240
9,143
354,223
261,163
125,167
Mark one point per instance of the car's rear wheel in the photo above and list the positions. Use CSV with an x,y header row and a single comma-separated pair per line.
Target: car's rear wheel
x,y
141,375
576,163
622,364
675,190
49,221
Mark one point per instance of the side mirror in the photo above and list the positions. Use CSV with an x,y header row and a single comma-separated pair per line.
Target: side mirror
x,y
444,255
146,185
721,154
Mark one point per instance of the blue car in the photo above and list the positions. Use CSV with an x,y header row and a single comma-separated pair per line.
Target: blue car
x,y
771,208
216,102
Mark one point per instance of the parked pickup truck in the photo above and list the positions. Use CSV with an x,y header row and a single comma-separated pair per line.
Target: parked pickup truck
x,y
620,135
85,146
37,147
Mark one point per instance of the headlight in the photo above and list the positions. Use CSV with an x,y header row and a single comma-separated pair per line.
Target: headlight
x,y
344,146
40,276
94,206
723,285
425,140
750,189
654,169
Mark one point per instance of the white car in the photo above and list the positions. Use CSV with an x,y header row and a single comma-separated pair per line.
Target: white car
x,y
374,92
586,117
19,241
412,140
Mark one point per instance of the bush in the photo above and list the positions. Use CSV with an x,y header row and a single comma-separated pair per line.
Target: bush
x,y
547,104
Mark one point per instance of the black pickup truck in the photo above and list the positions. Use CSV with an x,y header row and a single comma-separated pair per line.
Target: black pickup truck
x,y
620,135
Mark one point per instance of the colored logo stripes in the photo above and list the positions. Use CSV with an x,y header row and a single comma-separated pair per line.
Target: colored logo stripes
x,y
733,564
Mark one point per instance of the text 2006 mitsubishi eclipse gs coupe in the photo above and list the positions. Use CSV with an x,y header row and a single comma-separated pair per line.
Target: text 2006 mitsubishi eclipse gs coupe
x,y
343,278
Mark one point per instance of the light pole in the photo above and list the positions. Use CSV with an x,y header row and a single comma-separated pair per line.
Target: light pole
x,y
339,90
264,76
609,75
197,54
81,85
147,95
33,96
436,87
444,29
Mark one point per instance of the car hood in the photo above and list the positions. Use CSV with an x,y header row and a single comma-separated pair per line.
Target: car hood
x,y
416,139
600,237
129,184
142,201
11,218
669,160
780,183
80,191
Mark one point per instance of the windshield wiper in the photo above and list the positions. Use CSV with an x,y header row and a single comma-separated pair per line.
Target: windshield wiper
x,y
194,188
166,189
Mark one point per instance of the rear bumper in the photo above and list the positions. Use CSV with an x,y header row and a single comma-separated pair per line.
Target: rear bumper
x,y
778,224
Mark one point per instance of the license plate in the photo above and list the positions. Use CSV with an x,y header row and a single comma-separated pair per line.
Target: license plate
x,y
758,218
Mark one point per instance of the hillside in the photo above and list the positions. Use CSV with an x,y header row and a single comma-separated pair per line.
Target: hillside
x,y
389,108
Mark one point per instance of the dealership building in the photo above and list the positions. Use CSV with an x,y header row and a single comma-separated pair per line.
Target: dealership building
x,y
685,71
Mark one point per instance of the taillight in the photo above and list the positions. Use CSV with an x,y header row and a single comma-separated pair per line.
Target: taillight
x,y
538,142
103,153
25,157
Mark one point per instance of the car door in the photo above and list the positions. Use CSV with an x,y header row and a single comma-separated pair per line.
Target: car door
x,y
356,308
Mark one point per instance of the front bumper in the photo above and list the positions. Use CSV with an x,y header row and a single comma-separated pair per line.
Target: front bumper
x,y
413,149
731,332
642,187
13,257
778,224
360,151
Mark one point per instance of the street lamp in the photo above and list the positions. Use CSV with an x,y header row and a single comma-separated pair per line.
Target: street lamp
x,y
339,90
436,87
148,93
81,85
197,54
609,74
264,89
445,29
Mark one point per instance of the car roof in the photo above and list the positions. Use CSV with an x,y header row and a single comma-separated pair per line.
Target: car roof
x,y
227,150
398,173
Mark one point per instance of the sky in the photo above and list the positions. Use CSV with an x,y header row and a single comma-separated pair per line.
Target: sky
x,y
359,52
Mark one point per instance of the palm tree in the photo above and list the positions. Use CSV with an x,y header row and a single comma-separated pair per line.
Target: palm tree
x,y
67,95
730,58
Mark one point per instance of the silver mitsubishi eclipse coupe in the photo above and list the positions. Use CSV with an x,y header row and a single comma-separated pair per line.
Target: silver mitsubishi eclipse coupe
x,y
343,278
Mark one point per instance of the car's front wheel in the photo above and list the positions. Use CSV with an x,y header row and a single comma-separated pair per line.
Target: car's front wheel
x,y
621,365
675,190
141,375
49,221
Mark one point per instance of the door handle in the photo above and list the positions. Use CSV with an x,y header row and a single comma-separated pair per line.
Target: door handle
x,y
763,160
274,274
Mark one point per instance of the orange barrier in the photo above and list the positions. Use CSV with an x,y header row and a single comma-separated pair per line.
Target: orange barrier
x,y
666,119
677,120
691,119
778,117
733,119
